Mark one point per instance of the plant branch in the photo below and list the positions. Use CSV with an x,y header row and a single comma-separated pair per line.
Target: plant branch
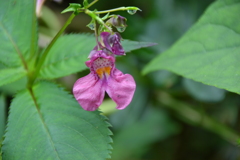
x,y
96,34
117,9
92,3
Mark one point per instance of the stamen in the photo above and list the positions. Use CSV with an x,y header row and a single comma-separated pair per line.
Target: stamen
x,y
104,71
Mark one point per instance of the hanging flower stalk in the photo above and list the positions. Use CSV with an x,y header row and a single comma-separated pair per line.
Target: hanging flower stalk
x,y
104,77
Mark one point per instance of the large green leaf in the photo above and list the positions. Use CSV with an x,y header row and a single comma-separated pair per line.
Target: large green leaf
x,y
129,45
70,53
12,88
2,116
11,74
210,51
49,124
18,36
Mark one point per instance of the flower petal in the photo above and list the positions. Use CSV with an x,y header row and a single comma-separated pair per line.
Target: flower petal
x,y
95,49
121,88
118,49
105,36
89,92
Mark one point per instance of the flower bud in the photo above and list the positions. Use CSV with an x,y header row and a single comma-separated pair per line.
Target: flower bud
x,y
112,42
118,21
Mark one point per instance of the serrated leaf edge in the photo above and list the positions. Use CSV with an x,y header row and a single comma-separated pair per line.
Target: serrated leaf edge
x,y
104,118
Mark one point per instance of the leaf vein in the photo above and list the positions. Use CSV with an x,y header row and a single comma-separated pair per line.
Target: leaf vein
x,y
43,122
15,46
82,136
73,148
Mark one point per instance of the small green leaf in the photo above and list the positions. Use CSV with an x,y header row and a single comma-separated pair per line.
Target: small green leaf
x,y
209,51
91,25
70,53
11,74
18,32
105,17
73,7
49,124
133,10
85,3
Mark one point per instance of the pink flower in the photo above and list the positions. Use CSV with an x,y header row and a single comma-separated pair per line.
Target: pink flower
x,y
89,91
39,6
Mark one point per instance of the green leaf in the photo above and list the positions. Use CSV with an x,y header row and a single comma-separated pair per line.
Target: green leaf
x,y
0,151
11,74
85,3
91,25
132,10
129,45
2,120
49,124
12,88
73,7
70,53
2,116
67,56
209,51
18,35
105,17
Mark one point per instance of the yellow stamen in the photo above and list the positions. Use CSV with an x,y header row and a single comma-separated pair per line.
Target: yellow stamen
x,y
104,70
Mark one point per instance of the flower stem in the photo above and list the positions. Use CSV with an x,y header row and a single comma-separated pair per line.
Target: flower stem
x,y
45,53
95,31
117,9
91,4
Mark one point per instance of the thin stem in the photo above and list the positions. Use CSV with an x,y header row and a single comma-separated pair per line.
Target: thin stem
x,y
91,4
43,57
95,31
94,16
33,48
117,9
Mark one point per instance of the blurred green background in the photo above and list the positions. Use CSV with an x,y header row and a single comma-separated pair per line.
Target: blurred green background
x,y
170,117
